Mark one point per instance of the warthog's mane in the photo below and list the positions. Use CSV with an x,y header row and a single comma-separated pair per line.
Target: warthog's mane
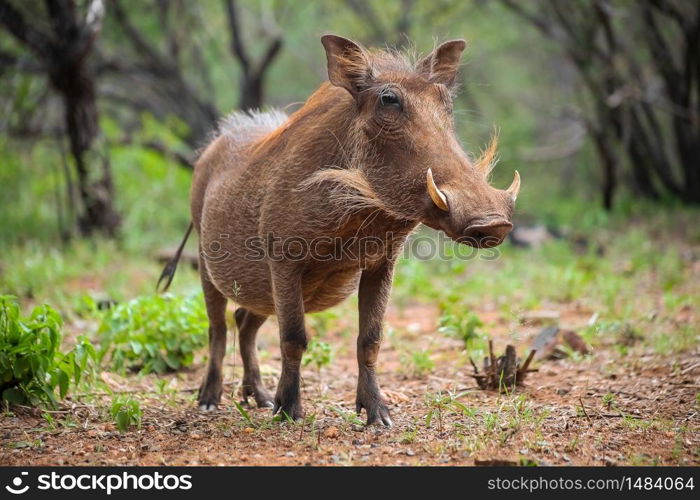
x,y
248,126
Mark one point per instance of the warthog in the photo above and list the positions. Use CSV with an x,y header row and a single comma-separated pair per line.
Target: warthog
x,y
285,205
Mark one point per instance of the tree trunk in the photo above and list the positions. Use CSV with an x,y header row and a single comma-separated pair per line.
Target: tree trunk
x,y
72,78
65,51
95,185
251,92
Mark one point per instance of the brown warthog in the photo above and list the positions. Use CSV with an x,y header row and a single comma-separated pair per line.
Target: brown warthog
x,y
285,208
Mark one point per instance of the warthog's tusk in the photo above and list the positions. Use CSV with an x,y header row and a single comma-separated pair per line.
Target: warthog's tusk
x,y
436,195
514,188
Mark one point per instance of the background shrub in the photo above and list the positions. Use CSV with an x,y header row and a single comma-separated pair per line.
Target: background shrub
x,y
32,368
153,333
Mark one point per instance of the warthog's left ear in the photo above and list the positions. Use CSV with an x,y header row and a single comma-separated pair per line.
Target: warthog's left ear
x,y
441,65
348,63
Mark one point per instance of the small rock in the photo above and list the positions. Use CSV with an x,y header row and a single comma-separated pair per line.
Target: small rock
x,y
331,433
410,452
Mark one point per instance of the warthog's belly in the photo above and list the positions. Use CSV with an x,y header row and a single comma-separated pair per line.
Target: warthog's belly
x,y
248,283
324,288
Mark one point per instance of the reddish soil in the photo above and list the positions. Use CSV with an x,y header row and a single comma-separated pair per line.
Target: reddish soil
x,y
640,408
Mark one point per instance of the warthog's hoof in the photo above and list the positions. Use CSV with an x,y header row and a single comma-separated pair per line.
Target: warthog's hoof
x,y
262,398
209,398
291,410
377,412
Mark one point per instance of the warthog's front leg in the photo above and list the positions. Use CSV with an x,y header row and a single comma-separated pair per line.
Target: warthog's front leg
x,y
289,305
375,286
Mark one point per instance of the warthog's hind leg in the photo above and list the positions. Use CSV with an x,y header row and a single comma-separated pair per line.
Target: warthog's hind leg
x,y
212,385
248,324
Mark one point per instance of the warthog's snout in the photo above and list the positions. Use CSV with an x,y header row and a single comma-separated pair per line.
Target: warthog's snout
x,y
486,234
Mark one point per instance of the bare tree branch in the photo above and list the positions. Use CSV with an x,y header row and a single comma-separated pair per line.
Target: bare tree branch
x,y
15,23
237,47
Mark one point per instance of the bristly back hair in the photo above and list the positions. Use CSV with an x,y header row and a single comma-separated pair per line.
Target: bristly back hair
x,y
253,122
247,125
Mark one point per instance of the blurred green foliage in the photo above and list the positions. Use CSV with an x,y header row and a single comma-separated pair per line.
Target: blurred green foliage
x,y
153,333
318,353
499,88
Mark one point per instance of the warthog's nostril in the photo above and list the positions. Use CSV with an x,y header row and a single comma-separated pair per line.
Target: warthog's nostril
x,y
487,235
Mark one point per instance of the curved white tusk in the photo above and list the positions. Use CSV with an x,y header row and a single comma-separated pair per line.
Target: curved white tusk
x,y
436,195
514,188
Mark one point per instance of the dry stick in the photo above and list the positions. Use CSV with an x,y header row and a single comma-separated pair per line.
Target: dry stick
x,y
584,410
529,359
609,415
476,370
689,368
494,368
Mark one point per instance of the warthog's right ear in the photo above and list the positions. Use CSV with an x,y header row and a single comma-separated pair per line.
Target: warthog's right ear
x,y
441,65
348,63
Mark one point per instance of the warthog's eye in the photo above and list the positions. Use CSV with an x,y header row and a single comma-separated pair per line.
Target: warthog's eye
x,y
389,99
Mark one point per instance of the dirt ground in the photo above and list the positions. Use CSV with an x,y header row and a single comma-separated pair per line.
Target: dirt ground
x,y
603,409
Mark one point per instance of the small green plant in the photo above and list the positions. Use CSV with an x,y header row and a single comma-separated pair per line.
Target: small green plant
x,y
244,413
527,462
32,368
440,403
408,436
51,422
126,412
573,444
418,363
609,401
156,333
462,327
318,353
350,417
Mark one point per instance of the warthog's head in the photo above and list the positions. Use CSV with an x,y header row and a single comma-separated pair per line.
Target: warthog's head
x,y
416,166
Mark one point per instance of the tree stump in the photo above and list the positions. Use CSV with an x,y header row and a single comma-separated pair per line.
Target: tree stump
x,y
502,373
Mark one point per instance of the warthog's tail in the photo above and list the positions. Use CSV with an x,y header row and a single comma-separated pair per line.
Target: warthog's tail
x,y
170,268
